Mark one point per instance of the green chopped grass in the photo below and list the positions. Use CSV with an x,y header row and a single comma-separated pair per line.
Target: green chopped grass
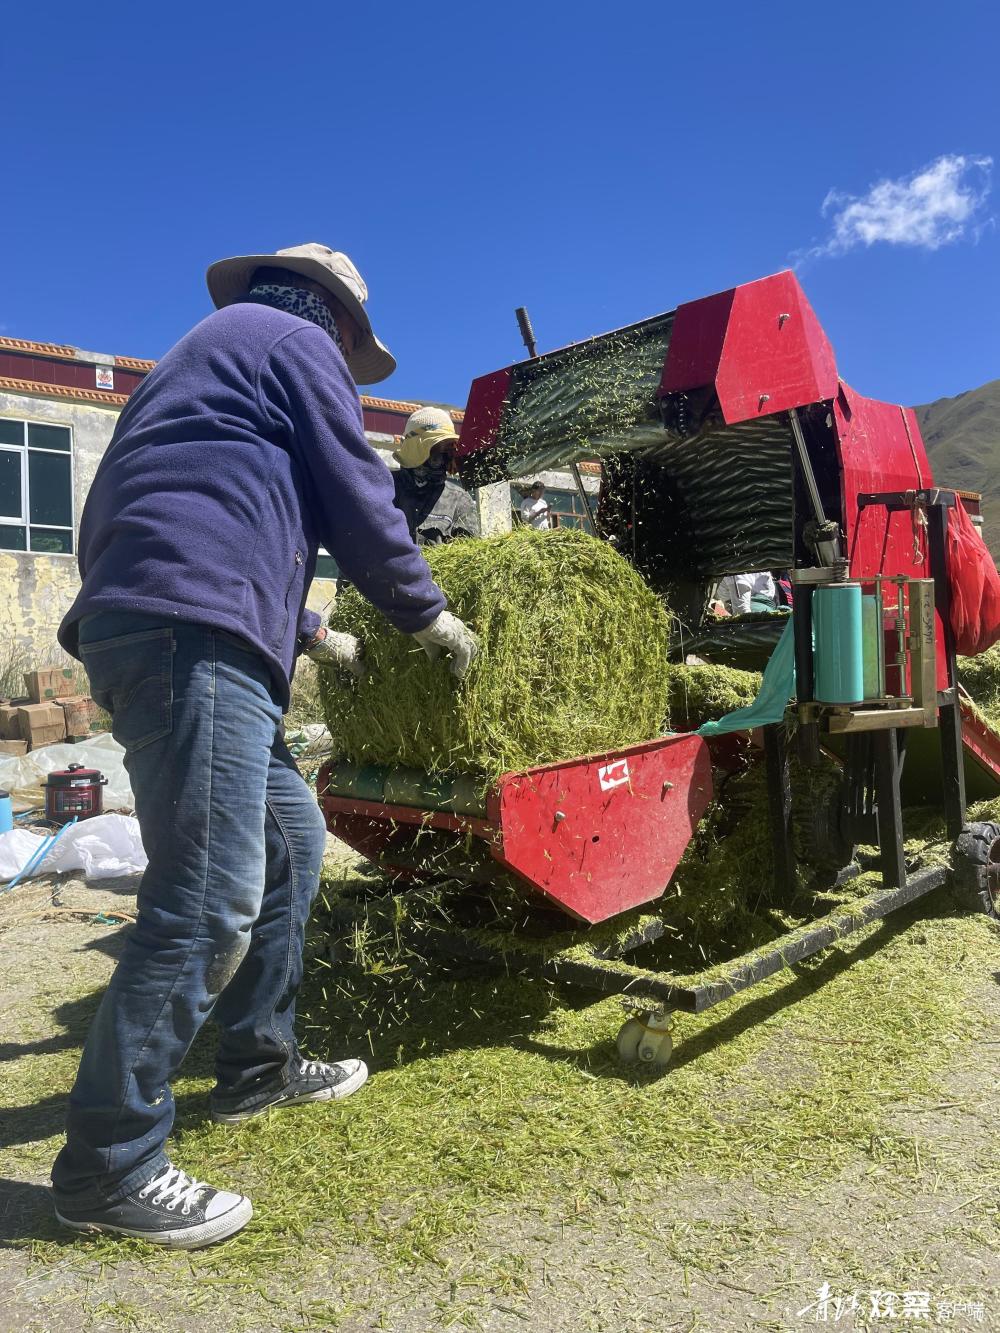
x,y
573,661
981,677
701,693
495,1094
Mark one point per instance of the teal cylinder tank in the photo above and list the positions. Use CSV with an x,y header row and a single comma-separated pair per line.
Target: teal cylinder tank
x,y
837,638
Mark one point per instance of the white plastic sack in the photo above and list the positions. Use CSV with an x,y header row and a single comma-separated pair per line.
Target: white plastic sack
x,y
99,848
28,773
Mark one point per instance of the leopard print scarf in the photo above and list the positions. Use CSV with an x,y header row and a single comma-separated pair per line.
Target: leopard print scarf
x,y
297,301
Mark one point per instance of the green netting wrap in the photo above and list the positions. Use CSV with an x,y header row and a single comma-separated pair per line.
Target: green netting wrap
x,y
573,661
587,399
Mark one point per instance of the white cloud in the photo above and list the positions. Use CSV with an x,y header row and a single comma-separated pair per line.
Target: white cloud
x,y
937,205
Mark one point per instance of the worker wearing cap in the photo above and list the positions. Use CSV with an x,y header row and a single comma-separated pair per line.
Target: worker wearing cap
x,y
239,454
436,506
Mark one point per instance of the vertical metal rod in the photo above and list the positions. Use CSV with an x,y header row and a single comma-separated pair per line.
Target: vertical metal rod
x,y
584,497
806,464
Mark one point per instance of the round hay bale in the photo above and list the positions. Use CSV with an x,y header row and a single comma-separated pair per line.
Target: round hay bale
x,y
573,661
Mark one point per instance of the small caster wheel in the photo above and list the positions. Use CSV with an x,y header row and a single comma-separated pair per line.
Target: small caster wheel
x,y
630,1035
646,1039
656,1048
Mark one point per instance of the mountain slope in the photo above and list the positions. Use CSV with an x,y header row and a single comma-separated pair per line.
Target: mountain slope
x,y
962,436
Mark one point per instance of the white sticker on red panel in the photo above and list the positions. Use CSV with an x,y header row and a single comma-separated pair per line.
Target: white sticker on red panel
x,y
614,775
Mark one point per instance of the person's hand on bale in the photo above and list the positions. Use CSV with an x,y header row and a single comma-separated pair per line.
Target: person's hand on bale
x,y
454,637
330,649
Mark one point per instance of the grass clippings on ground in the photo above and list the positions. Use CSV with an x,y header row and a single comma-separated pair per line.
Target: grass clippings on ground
x,y
498,1098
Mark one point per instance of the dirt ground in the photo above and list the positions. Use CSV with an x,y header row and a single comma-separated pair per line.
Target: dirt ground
x,y
694,1254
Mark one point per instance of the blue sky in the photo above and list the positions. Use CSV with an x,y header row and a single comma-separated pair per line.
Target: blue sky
x,y
596,162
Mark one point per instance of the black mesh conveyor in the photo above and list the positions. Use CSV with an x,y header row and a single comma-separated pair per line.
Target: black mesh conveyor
x,y
586,400
733,486
693,508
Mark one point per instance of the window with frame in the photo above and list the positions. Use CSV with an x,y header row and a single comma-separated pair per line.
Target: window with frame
x,y
566,509
36,487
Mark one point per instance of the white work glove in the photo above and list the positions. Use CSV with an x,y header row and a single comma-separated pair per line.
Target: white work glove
x,y
454,637
338,650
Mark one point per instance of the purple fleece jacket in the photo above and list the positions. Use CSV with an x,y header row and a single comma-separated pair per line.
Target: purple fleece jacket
x,y
238,455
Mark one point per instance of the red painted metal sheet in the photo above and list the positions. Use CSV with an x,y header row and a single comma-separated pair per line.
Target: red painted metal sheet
x,y
776,354
696,341
627,818
981,741
761,346
879,448
483,412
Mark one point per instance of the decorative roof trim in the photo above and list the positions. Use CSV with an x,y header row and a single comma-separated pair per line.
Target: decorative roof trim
x,y
64,352
133,363
71,391
394,405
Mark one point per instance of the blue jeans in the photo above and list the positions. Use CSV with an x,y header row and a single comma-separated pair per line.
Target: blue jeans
x,y
235,843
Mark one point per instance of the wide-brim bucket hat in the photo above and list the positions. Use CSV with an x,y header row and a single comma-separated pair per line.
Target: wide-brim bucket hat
x,y
229,281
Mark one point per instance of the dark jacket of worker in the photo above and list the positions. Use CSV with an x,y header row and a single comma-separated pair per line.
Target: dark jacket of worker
x,y
238,455
437,508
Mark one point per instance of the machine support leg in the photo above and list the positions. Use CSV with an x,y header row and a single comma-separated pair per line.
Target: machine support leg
x,y
949,714
888,770
858,798
779,801
952,766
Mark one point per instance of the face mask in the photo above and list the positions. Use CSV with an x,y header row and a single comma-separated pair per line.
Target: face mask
x,y
297,301
429,472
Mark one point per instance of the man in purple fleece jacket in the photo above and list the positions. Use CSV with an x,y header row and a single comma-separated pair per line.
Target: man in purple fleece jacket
x,y
240,454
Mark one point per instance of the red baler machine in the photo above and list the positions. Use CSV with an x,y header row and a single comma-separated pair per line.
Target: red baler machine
x,y
741,450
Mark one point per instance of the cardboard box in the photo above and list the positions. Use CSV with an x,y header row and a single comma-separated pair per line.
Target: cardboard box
x,y
14,747
10,723
79,712
49,683
41,724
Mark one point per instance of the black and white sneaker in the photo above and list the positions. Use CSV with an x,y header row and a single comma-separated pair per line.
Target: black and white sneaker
x,y
171,1209
310,1081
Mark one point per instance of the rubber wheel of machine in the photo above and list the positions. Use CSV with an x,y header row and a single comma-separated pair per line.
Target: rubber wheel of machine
x,y
975,879
630,1034
819,841
656,1048
639,1044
